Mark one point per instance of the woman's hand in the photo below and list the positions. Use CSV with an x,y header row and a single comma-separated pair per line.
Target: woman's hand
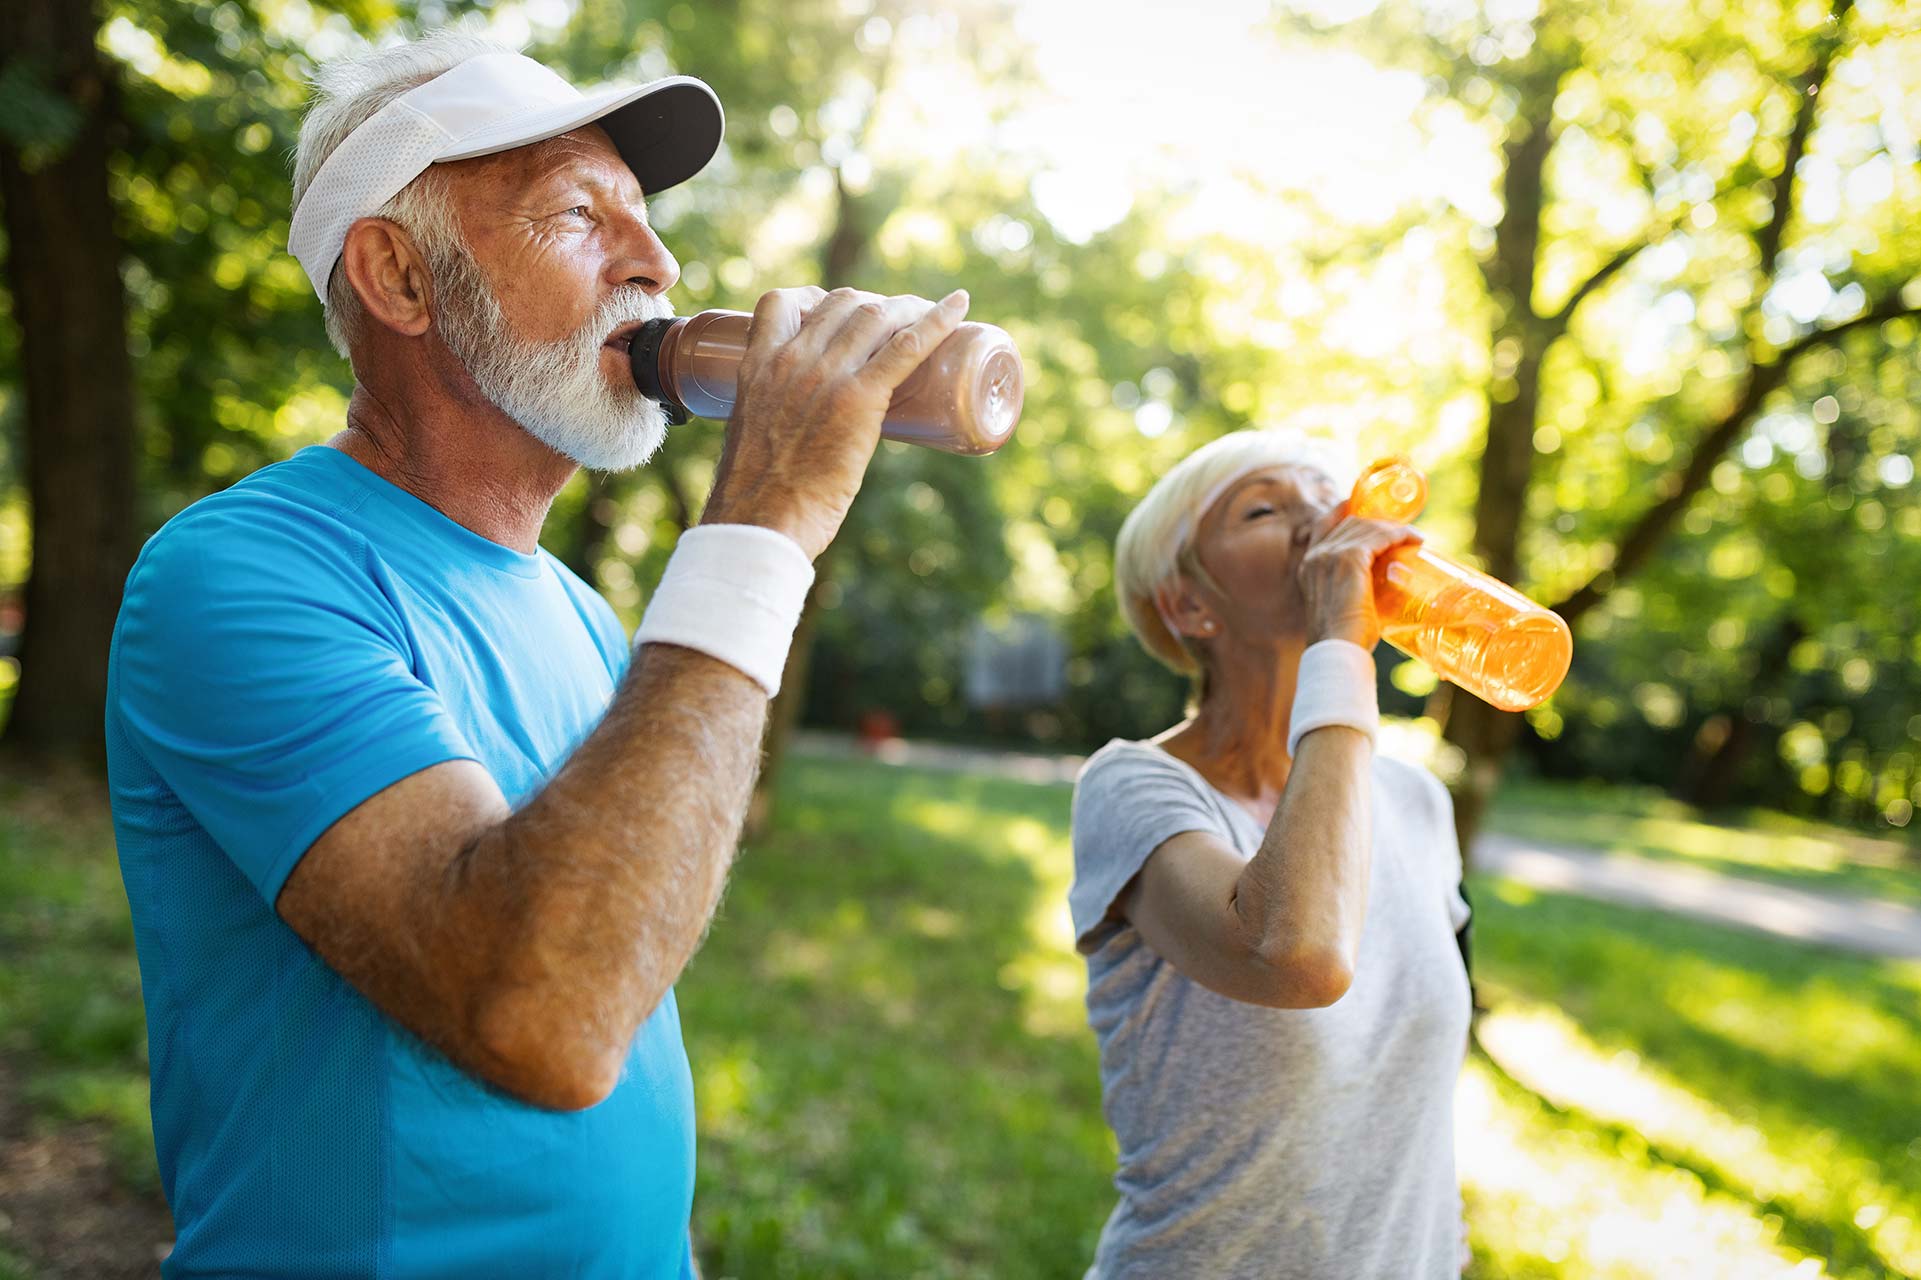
x,y
1337,576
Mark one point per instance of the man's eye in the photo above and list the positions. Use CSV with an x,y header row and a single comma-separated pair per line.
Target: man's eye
x,y
578,211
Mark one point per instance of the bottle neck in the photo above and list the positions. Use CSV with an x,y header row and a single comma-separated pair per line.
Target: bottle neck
x,y
652,356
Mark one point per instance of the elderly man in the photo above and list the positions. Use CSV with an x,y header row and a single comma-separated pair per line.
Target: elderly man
x,y
415,848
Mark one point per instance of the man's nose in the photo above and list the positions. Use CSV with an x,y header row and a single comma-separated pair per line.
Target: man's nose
x,y
642,259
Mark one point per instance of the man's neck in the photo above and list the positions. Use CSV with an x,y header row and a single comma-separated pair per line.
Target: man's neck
x,y
460,455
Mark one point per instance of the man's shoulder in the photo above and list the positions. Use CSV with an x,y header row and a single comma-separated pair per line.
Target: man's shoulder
x,y
280,513
247,559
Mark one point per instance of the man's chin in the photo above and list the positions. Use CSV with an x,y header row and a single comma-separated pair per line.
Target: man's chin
x,y
621,449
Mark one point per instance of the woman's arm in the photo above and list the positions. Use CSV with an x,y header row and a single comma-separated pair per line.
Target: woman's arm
x,y
1283,929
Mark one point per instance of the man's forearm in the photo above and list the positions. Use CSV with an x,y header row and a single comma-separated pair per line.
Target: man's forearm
x,y
602,885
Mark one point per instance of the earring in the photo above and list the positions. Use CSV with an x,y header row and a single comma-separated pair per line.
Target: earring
x,y
1208,626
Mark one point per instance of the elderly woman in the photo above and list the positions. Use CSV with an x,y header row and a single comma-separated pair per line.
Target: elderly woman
x,y
1269,910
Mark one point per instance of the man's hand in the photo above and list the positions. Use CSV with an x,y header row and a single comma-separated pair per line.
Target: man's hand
x,y
819,372
1337,577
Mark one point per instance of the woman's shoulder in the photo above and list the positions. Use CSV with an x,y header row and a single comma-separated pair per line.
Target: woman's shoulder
x,y
1127,758
1128,775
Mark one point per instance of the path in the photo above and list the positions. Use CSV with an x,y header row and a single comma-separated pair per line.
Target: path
x,y
1846,921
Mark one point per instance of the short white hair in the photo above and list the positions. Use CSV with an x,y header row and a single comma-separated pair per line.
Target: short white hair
x,y
1155,547
347,91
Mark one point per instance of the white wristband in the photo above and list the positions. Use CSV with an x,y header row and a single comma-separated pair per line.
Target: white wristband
x,y
733,592
1335,686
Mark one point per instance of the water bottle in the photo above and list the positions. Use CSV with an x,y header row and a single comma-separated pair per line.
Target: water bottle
x,y
964,398
1471,629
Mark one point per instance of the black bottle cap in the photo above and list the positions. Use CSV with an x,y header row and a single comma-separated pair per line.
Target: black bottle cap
x,y
644,355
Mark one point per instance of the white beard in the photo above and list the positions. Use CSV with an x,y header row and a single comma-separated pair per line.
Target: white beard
x,y
555,390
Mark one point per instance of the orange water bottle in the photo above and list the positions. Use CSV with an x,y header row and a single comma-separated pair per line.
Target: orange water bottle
x,y
1473,630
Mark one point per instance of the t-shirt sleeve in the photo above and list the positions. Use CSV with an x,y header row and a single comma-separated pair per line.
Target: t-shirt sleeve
x,y
1127,803
265,676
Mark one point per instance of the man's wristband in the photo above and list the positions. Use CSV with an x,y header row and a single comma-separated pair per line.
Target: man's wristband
x,y
733,592
1335,686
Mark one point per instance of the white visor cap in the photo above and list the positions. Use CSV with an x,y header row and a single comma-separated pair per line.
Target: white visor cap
x,y
666,131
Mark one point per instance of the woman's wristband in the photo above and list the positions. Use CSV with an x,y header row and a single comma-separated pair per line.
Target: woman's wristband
x,y
733,592
1335,686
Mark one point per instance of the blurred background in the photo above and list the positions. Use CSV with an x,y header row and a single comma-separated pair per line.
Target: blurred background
x,y
1638,283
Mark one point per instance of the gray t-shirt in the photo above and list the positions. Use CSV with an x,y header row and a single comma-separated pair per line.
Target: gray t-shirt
x,y
1306,1144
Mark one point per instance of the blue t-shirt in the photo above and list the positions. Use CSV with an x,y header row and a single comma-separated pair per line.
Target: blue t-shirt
x,y
286,649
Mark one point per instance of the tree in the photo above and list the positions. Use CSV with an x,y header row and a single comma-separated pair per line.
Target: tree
x,y
168,345
61,113
1626,88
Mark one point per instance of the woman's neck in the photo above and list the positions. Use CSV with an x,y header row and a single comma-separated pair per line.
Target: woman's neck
x,y
1237,739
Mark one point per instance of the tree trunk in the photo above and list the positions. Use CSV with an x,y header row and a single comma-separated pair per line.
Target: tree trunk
x,y
63,268
840,258
1483,734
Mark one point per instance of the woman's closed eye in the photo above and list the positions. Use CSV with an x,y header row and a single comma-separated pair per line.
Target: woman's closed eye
x,y
1258,510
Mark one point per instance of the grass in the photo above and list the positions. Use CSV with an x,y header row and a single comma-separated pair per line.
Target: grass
x,y
1755,844
894,1079
70,1012
894,1076
1771,1084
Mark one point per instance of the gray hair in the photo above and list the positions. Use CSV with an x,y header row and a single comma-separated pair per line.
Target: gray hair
x,y
1155,548
347,91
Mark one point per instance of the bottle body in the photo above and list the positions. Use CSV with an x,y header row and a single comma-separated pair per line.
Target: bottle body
x,y
964,398
1472,629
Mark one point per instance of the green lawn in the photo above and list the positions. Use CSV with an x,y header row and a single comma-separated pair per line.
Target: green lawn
x,y
70,1012
1755,844
894,1078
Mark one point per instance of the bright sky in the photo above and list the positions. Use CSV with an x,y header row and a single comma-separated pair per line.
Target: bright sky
x,y
1199,98
1211,102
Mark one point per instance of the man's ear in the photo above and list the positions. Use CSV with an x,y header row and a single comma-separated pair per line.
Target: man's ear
x,y
1184,612
387,273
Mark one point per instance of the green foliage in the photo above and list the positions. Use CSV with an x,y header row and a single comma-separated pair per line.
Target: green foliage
x,y
1260,296
1667,271
32,116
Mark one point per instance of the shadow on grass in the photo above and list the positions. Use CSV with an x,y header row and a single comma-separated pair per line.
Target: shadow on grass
x,y
1813,1047
892,1075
